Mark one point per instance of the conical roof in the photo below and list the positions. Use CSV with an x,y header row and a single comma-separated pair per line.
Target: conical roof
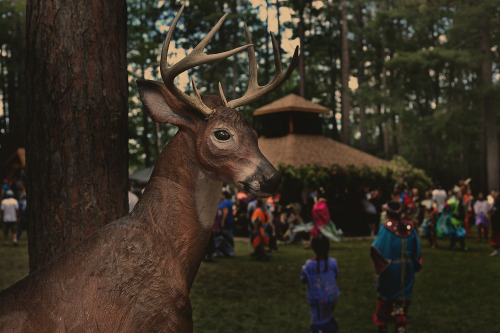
x,y
300,150
291,102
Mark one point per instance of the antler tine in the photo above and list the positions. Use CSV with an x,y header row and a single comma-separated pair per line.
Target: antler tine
x,y
252,62
221,93
254,91
195,58
164,51
277,56
195,89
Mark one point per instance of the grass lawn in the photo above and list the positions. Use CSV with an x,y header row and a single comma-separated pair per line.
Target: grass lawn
x,y
454,292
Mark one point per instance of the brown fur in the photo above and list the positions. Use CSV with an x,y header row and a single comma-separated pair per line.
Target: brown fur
x,y
134,275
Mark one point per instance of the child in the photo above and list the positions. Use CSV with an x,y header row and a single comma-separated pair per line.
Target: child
x,y
260,242
320,274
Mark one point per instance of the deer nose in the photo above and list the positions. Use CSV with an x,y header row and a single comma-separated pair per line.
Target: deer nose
x,y
271,183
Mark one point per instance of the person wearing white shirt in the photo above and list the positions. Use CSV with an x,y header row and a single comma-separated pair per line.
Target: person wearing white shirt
x,y
439,196
10,216
482,210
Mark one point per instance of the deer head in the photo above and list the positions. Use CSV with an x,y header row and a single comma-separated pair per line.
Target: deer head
x,y
225,143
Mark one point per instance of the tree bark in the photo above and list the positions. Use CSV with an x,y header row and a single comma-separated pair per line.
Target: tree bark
x,y
267,62
490,127
302,70
77,158
345,69
361,79
16,85
235,72
333,79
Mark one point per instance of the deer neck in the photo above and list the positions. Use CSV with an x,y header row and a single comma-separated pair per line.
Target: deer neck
x,y
180,202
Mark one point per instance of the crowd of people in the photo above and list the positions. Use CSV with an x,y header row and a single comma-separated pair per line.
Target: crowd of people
x,y
452,214
404,219
266,223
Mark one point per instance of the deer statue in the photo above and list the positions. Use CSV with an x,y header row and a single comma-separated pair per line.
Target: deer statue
x,y
135,273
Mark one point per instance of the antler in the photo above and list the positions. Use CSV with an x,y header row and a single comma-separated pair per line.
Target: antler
x,y
254,91
195,58
198,57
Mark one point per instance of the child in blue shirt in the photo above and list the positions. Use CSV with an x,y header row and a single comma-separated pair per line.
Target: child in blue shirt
x,y
320,274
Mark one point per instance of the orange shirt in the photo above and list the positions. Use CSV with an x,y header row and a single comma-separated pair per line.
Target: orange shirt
x,y
259,214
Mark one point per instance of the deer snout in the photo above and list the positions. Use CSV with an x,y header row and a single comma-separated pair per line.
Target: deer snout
x,y
271,182
264,180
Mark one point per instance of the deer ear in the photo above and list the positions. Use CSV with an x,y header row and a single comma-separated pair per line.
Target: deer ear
x,y
161,105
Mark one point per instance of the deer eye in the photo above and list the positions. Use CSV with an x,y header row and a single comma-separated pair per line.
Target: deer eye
x,y
222,135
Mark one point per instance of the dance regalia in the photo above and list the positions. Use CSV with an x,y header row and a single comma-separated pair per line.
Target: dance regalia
x,y
482,208
320,215
396,255
468,199
427,228
448,225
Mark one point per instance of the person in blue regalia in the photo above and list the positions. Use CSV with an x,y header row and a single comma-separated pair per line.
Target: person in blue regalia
x,y
396,256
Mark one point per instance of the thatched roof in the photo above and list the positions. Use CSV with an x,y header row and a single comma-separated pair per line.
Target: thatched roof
x,y
302,149
291,102
17,159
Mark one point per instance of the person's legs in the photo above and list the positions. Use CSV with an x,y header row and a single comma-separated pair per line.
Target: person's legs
x,y
14,232
462,243
382,315
329,327
452,242
400,312
5,233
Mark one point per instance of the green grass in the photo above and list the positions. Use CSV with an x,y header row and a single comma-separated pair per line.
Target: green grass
x,y
455,291
14,263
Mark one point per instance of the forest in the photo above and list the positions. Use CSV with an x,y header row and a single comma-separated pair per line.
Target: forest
x,y
412,78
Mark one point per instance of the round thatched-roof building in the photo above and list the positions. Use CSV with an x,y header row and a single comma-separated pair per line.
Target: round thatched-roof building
x,y
292,134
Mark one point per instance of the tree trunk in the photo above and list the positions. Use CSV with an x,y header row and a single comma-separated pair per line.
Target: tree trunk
x,y
278,40
302,70
361,78
278,18
235,73
490,127
3,90
16,86
145,130
77,158
333,79
345,68
267,62
383,106
394,135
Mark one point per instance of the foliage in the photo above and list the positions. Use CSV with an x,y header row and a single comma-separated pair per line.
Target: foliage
x,y
336,179
418,65
145,37
12,87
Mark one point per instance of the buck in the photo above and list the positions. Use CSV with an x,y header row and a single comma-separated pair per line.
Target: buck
x,y
135,274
